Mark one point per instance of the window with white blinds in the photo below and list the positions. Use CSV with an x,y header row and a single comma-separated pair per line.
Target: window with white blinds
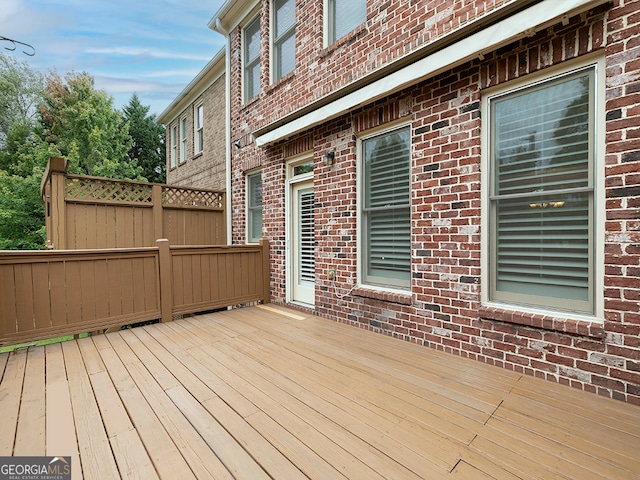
x,y
542,193
284,37
344,16
386,210
254,207
252,59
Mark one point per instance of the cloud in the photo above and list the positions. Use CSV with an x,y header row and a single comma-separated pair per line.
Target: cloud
x,y
147,52
128,85
154,48
190,73
9,9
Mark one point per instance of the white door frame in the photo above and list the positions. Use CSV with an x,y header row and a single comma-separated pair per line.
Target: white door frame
x,y
292,181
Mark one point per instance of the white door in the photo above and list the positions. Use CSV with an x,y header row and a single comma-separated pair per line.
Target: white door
x,y
303,243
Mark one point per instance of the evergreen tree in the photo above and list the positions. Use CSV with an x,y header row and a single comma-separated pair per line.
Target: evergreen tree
x,y
148,137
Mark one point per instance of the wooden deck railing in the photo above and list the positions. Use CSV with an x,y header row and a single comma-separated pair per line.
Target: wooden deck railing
x,y
46,294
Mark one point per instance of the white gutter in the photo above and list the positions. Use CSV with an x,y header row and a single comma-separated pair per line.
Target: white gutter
x,y
522,24
227,148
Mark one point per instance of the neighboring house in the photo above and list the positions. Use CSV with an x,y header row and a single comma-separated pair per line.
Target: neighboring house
x,y
463,175
196,123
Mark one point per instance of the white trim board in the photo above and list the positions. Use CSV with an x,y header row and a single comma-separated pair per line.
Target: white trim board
x,y
524,23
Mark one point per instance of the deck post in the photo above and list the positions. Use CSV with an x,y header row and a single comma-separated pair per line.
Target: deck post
x,y
158,215
266,272
166,294
57,179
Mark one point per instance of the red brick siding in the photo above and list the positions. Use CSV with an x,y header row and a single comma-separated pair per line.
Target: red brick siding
x,y
443,310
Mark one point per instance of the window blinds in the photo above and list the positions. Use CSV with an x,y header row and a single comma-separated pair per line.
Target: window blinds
x,y
387,210
542,200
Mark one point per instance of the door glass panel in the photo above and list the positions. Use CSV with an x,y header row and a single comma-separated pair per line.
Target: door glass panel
x,y
306,247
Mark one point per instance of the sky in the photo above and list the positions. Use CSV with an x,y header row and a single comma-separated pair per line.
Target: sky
x,y
153,48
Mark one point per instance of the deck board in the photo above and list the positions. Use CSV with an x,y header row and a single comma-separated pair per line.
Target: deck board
x,y
268,392
10,395
381,390
61,438
30,433
342,396
95,450
159,445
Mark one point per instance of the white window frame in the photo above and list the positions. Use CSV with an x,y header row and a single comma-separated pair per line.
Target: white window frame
x,y
596,62
330,36
183,140
251,235
174,146
276,42
198,129
248,64
395,285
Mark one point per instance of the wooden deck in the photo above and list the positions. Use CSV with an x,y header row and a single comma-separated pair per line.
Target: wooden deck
x,y
267,392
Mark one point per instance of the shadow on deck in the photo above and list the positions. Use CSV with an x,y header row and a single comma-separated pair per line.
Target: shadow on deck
x,y
266,392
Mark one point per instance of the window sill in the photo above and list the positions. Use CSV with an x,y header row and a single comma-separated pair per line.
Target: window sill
x,y
197,155
344,40
403,298
556,322
280,82
251,101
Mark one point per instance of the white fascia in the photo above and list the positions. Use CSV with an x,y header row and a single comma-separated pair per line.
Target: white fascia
x,y
522,24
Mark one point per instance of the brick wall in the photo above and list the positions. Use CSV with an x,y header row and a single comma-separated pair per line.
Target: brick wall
x,y
443,309
206,169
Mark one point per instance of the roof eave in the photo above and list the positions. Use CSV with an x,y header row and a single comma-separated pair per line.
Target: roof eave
x,y
203,80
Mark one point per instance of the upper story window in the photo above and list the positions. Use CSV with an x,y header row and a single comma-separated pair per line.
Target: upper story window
x,y
343,16
386,209
198,132
254,207
183,140
542,200
174,146
284,37
251,39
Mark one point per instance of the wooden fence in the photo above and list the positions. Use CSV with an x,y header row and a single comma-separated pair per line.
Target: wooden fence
x,y
47,294
90,212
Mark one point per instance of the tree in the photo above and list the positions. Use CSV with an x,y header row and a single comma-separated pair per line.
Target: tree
x,y
21,90
22,165
81,125
148,137
22,159
73,121
21,211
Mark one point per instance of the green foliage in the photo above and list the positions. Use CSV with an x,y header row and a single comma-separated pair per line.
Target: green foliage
x,y
63,117
22,158
21,211
82,126
21,90
148,145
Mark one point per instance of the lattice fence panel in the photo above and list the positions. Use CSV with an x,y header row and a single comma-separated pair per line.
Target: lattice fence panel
x,y
108,190
185,197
